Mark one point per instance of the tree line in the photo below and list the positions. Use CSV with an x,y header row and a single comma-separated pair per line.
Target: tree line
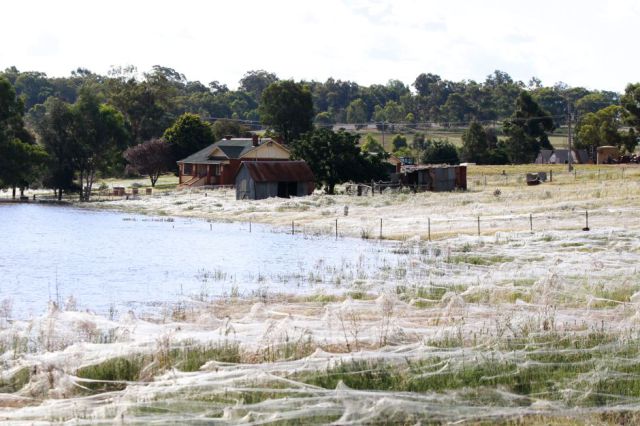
x,y
66,131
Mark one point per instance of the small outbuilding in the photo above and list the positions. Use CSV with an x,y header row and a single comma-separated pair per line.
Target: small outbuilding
x,y
257,180
561,156
435,177
607,154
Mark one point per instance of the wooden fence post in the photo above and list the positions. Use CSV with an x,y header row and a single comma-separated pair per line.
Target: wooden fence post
x,y
380,228
429,229
586,219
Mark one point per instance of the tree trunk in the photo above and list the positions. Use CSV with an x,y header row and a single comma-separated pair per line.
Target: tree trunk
x,y
59,194
89,178
13,192
81,185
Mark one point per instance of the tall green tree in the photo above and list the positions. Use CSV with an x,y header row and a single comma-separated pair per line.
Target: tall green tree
x,y
100,135
631,103
288,108
187,135
357,112
56,134
21,160
475,144
605,127
370,144
335,158
145,106
528,130
440,152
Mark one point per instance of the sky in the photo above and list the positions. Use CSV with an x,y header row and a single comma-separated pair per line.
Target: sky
x,y
589,43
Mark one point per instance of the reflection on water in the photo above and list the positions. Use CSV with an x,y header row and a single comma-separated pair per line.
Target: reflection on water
x,y
107,259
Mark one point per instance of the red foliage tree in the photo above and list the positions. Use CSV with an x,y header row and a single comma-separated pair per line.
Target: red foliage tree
x,y
152,158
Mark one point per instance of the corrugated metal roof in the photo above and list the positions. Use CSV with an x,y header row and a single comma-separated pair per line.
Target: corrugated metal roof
x,y
232,148
279,171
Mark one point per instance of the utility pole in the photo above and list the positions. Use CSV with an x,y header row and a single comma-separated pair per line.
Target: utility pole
x,y
570,137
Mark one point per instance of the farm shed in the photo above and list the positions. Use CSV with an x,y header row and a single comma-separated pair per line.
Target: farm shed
x,y
561,156
606,154
435,178
257,180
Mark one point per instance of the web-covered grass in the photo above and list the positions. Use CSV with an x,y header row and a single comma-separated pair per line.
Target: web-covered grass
x,y
514,327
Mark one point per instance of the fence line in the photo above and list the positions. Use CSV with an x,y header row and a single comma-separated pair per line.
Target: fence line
x,y
435,228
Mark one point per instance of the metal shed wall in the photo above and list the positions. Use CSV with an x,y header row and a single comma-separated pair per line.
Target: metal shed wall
x,y
245,188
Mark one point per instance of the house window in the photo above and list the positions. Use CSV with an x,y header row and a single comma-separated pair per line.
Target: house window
x,y
216,170
187,169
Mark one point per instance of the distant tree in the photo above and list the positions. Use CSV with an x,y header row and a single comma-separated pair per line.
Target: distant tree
x,y
631,103
335,158
504,92
596,101
287,107
256,82
34,87
604,127
217,87
399,142
370,144
187,135
475,144
403,152
552,100
457,108
419,141
152,158
145,106
410,118
440,152
224,127
357,112
527,130
324,118
392,112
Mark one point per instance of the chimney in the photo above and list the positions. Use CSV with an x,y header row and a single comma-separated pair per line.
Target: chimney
x,y
255,140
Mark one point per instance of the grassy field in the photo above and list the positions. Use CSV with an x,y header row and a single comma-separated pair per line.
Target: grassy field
x,y
559,141
511,326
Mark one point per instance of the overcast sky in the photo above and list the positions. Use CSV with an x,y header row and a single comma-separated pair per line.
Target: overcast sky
x,y
590,43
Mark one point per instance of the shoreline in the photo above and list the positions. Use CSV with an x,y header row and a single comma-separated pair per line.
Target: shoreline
x,y
402,216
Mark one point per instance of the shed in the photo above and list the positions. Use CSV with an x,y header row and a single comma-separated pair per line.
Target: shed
x,y
435,178
257,180
607,154
561,156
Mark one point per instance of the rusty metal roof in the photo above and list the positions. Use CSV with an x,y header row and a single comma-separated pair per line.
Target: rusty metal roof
x,y
279,171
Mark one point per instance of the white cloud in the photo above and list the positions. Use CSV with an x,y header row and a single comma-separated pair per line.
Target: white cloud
x,y
588,43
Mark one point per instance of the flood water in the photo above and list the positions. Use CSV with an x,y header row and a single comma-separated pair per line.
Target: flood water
x,y
108,260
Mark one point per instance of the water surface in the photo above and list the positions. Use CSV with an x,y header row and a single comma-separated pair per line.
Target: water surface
x,y
108,259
